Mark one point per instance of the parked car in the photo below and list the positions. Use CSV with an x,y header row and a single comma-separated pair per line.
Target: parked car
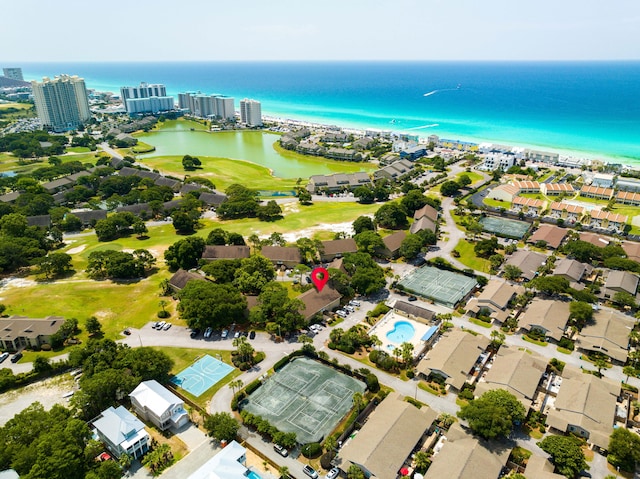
x,y
341,313
310,471
166,326
127,332
155,324
16,357
208,332
349,308
413,298
161,325
194,333
280,450
3,356
224,334
237,334
252,335
333,473
354,302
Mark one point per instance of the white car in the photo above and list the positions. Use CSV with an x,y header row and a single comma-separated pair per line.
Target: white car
x,y
160,325
350,308
341,313
353,302
207,332
224,334
333,473
166,326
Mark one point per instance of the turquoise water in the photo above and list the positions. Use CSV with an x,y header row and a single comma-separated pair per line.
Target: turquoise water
x,y
590,108
253,475
402,332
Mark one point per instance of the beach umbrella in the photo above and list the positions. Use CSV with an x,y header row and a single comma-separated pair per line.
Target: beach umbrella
x,y
404,471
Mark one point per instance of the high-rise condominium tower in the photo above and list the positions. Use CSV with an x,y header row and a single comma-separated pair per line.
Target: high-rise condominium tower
x,y
251,112
62,103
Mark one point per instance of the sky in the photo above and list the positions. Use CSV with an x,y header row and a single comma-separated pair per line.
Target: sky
x,y
215,30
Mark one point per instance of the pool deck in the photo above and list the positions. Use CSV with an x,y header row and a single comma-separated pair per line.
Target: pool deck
x,y
387,324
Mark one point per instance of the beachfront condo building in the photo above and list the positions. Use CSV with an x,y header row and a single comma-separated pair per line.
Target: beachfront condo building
x,y
145,90
13,73
62,103
250,112
153,104
207,106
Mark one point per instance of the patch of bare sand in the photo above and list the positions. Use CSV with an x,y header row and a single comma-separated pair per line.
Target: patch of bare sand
x,y
346,227
77,249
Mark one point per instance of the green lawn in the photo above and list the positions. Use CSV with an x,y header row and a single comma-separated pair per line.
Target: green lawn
x,y
78,149
142,147
496,203
473,176
480,323
533,341
468,257
19,106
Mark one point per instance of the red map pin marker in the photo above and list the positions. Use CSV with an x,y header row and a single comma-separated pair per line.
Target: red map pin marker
x,y
319,276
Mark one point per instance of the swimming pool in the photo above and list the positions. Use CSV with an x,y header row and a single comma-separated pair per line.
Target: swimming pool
x,y
253,475
402,332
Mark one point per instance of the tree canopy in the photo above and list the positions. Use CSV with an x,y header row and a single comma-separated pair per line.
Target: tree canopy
x,y
624,449
566,454
204,304
221,426
185,253
494,413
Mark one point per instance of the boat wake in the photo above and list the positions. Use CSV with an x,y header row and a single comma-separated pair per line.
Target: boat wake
x,y
432,125
433,92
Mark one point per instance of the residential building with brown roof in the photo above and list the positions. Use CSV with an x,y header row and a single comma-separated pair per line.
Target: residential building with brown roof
x,y
628,198
607,220
632,249
505,192
318,302
572,270
387,439
494,299
464,456
214,252
454,357
287,256
427,211
566,211
595,239
516,371
555,189
619,281
548,316
529,206
527,187
392,244
597,192
539,467
423,223
181,277
19,332
607,333
552,235
527,261
337,248
585,406
413,311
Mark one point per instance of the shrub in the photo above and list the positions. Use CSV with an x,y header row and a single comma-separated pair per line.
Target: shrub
x,y
259,357
311,450
411,374
416,403
163,314
466,394
373,355
325,460
252,386
372,382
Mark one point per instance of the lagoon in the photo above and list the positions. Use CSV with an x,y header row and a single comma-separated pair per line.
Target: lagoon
x,y
177,138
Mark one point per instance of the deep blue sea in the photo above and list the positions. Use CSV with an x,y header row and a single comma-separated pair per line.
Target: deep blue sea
x,y
586,109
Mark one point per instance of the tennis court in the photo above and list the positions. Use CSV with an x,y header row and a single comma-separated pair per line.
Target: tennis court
x,y
443,287
505,227
305,397
201,375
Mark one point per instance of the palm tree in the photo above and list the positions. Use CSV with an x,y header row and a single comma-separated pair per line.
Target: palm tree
x,y
284,472
236,384
358,401
330,443
375,341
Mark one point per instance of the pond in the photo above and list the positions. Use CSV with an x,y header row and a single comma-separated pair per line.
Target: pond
x,y
254,146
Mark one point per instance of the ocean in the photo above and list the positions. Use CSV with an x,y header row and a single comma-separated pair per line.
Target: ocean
x,y
585,109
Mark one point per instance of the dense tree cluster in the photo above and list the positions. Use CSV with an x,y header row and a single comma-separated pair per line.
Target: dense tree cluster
x,y
493,414
204,304
111,371
566,454
367,276
241,202
20,244
29,144
624,449
391,216
111,264
185,253
275,309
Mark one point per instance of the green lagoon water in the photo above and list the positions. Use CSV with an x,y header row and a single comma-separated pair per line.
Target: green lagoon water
x,y
177,139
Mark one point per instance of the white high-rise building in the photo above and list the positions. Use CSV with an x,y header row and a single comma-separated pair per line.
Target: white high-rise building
x,y
207,106
13,73
62,103
251,112
153,104
145,90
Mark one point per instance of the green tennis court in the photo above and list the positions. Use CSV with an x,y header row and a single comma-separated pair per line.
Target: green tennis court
x,y
441,286
505,227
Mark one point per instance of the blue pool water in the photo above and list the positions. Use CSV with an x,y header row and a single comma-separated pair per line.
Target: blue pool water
x,y
402,332
253,475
